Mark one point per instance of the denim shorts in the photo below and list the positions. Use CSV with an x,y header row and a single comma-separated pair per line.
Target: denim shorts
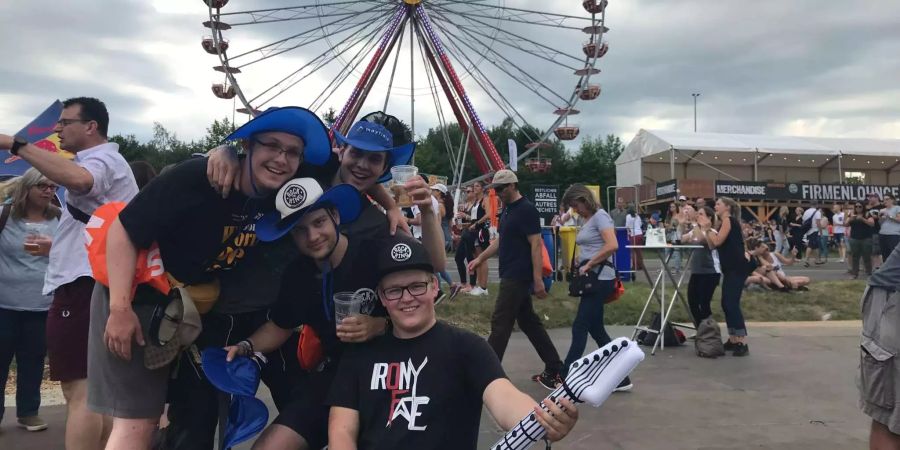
x,y
879,371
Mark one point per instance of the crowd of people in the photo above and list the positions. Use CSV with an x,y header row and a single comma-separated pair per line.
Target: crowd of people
x,y
240,249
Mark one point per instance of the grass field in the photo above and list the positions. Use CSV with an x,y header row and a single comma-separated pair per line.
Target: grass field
x,y
826,300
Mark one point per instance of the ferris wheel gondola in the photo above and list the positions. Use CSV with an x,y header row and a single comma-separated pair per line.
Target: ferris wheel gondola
x,y
460,55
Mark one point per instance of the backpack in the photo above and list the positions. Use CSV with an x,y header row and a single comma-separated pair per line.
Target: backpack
x,y
708,342
671,336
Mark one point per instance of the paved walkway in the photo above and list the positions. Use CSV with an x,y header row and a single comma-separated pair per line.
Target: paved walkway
x,y
795,391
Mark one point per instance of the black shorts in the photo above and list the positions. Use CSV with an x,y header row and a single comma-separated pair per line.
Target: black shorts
x,y
813,241
307,412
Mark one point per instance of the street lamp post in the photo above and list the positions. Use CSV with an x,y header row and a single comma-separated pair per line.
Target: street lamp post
x,y
695,95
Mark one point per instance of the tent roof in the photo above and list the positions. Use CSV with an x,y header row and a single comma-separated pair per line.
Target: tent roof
x,y
649,143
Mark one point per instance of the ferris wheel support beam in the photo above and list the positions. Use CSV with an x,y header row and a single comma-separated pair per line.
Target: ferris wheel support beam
x,y
493,158
474,145
341,121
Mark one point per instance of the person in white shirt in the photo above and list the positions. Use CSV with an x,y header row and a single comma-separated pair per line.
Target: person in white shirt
x,y
633,224
97,175
812,215
839,227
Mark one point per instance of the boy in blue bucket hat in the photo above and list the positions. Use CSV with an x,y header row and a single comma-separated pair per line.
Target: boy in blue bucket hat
x,y
332,261
199,235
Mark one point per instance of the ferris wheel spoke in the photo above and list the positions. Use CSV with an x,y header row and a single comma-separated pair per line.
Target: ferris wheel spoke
x,y
526,16
287,13
437,106
526,79
514,40
319,61
337,82
308,36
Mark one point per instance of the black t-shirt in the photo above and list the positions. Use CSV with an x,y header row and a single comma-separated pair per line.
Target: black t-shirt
x,y
300,300
423,393
519,220
198,231
372,223
860,229
253,284
731,252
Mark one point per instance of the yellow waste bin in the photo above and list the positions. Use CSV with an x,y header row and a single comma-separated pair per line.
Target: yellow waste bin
x,y
567,246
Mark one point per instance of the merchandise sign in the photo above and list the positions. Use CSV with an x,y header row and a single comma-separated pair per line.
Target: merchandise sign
x,y
666,189
741,189
546,201
806,192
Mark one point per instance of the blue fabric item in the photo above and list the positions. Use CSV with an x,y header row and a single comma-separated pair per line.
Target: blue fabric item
x,y
294,120
247,415
343,197
372,137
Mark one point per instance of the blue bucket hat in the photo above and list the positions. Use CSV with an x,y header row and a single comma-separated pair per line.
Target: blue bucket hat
x,y
247,415
295,120
372,137
300,196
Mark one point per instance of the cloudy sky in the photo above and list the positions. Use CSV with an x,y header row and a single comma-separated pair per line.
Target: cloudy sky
x,y
799,67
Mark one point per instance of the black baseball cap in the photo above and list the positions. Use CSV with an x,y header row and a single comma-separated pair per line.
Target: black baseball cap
x,y
400,252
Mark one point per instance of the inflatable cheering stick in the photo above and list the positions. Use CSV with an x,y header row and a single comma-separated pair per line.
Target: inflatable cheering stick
x,y
591,380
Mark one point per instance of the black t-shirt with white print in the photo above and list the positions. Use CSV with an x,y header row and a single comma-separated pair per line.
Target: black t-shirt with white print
x,y
423,393
300,299
198,231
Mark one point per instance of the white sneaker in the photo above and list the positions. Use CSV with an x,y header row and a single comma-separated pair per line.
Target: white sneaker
x,y
477,291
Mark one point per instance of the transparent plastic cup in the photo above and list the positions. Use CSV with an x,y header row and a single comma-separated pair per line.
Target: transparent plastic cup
x,y
346,304
399,176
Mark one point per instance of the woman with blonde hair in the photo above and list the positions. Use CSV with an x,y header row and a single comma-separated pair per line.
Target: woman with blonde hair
x,y
597,242
734,261
28,221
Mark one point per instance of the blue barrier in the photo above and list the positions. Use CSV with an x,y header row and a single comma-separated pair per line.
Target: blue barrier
x,y
547,236
622,258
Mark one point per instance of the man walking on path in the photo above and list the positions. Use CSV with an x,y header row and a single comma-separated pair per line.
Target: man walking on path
x,y
98,174
519,245
880,341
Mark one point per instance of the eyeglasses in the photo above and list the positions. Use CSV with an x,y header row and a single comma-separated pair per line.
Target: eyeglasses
x,y
292,154
66,122
415,289
46,187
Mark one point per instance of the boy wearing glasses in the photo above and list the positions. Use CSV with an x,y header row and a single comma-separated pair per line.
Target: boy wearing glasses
x,y
97,175
330,262
422,385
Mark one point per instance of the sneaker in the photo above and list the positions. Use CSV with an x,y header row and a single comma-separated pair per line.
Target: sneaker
x,y
477,291
741,349
547,380
624,386
454,291
32,423
729,346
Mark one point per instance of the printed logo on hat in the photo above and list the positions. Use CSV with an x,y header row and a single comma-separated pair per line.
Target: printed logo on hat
x,y
401,252
294,196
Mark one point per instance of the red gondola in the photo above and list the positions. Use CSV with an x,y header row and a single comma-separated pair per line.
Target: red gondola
x,y
538,165
566,133
590,93
210,46
593,6
592,49
218,4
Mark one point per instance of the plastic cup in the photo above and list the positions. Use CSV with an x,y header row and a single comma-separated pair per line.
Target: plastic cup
x,y
399,176
33,230
346,304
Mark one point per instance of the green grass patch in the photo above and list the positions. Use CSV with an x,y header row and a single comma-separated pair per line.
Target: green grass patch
x,y
836,300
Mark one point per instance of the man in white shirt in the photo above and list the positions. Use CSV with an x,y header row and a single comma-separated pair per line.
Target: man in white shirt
x,y
633,224
839,229
812,215
97,175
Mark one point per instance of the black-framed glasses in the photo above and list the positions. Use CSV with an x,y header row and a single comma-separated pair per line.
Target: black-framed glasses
x,y
415,289
274,147
66,122
46,187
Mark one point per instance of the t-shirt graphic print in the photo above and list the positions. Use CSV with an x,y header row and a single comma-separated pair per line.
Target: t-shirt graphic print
x,y
401,379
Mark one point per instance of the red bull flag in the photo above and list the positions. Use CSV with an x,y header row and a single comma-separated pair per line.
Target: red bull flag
x,y
40,133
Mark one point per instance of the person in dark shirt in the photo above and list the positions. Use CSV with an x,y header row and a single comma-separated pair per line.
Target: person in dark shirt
x,y
422,386
519,245
734,261
199,234
862,230
330,262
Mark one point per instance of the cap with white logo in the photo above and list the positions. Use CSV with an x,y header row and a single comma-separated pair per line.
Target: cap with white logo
x,y
302,195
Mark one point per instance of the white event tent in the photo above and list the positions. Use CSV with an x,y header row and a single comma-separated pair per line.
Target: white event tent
x,y
658,155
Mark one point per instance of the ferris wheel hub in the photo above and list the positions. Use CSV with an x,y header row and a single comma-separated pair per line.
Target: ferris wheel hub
x,y
412,2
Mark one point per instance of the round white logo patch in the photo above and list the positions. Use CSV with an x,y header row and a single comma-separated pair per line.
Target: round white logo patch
x,y
294,196
401,252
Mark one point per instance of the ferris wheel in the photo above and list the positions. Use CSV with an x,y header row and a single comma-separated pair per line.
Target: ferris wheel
x,y
417,58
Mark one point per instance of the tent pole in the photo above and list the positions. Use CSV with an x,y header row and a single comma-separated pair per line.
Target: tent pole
x,y
756,166
840,169
671,162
